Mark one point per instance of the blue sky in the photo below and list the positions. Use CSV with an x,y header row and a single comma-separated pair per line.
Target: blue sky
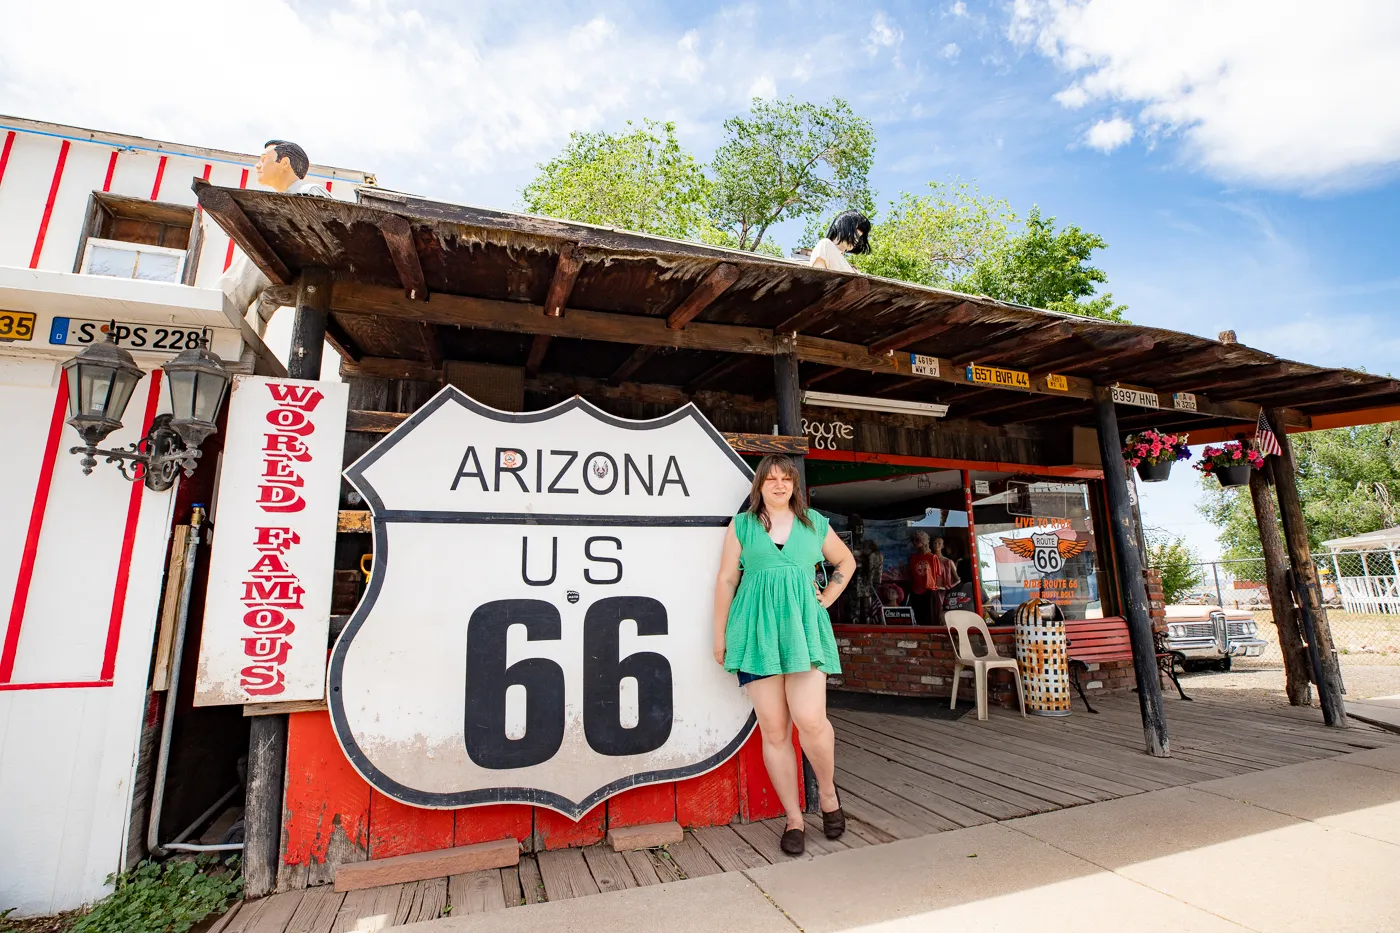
x,y
1239,158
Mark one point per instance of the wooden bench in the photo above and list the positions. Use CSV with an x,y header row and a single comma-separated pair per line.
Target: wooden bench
x,y
1096,641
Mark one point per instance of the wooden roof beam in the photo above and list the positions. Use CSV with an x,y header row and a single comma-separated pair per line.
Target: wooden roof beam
x,y
1270,399
1204,382
714,284
341,341
432,344
221,206
715,373
930,327
561,285
1291,385
1109,353
539,346
1020,343
633,363
398,237
834,301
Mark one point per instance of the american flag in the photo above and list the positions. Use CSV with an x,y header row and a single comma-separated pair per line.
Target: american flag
x,y
1264,438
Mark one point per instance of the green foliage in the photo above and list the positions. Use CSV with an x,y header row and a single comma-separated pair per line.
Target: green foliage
x,y
1177,563
164,898
1348,482
940,238
788,160
641,180
1049,269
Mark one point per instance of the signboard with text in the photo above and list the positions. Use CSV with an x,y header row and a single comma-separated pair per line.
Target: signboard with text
x,y
267,612
538,625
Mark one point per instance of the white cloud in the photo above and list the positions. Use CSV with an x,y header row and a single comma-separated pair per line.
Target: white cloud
x,y
763,86
950,51
1072,97
1292,94
958,9
1108,135
884,34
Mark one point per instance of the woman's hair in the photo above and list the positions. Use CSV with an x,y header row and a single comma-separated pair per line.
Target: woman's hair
x,y
851,227
798,503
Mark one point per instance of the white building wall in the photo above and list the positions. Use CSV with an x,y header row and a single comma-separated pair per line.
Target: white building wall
x,y
70,711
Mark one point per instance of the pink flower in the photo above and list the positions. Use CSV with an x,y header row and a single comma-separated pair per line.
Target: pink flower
x,y
1235,453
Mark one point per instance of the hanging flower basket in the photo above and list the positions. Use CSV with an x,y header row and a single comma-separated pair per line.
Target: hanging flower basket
x,y
1152,453
1230,463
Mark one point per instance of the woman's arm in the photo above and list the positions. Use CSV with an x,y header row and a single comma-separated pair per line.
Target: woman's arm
x,y
725,585
836,552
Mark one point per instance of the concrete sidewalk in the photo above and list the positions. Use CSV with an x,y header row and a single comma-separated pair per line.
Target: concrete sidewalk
x,y
1378,711
1308,847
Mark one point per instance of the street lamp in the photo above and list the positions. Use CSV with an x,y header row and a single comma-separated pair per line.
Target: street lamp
x,y
101,380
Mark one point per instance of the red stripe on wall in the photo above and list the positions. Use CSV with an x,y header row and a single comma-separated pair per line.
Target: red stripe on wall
x,y
48,205
31,538
5,153
111,170
65,685
329,184
160,173
133,515
207,169
228,256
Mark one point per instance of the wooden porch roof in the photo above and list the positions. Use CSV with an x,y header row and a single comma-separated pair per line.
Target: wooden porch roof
x,y
419,282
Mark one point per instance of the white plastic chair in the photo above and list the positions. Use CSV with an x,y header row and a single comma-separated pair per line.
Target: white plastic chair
x,y
959,621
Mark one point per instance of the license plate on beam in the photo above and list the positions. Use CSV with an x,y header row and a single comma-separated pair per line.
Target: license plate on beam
x,y
150,338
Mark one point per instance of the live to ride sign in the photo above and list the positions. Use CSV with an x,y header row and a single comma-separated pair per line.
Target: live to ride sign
x,y
538,624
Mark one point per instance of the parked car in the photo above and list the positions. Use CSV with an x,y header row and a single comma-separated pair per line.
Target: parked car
x,y
1203,635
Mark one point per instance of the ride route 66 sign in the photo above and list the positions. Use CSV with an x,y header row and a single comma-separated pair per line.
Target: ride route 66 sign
x,y
1047,551
538,624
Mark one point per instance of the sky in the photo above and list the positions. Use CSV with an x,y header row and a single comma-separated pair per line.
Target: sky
x,y
1241,159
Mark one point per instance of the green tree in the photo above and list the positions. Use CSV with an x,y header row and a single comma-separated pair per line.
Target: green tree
x,y
789,160
940,238
640,180
1177,563
1348,481
1049,269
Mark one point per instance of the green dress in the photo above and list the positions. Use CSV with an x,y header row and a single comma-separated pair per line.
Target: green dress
x,y
776,625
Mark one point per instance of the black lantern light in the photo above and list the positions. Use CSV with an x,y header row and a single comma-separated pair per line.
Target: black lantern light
x,y
101,380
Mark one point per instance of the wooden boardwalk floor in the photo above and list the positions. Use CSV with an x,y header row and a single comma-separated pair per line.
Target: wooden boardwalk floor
x,y
898,776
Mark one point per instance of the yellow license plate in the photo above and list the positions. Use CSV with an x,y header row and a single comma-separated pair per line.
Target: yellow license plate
x,y
16,325
991,376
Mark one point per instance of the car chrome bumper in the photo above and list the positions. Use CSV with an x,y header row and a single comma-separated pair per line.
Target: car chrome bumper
x,y
1209,649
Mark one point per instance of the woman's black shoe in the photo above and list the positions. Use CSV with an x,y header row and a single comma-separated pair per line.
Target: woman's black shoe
x,y
833,823
794,842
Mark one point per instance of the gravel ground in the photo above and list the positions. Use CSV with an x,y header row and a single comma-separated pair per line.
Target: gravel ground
x,y
1264,684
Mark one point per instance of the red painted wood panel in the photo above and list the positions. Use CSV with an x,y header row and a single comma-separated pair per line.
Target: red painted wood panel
x,y
758,799
493,821
398,829
655,803
711,799
553,831
325,797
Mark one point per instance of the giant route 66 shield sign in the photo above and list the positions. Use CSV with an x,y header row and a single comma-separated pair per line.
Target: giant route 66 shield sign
x,y
539,618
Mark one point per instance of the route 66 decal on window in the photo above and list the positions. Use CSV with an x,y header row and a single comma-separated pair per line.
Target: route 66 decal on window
x,y
538,624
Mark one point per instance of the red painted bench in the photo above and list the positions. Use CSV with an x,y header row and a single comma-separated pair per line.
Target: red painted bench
x,y
1096,641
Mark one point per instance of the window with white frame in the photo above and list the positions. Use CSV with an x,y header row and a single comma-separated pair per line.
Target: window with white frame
x,y
131,238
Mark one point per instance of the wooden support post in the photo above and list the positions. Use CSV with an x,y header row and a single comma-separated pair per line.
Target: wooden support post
x,y
1295,654
1295,533
1120,520
788,392
267,735
309,325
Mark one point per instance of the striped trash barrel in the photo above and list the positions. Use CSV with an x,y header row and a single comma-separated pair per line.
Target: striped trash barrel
x,y
1042,650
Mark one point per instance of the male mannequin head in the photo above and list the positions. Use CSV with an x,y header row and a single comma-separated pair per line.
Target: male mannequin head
x,y
281,165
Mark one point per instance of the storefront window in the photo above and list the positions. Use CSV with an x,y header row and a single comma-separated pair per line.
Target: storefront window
x,y
1035,538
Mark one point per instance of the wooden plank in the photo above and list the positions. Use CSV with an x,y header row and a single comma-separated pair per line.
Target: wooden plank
x,y
539,346
317,911
640,806
398,237
566,874
222,924
730,850
767,443
554,831
643,867
916,815
711,799
566,270
284,706
397,829
219,204
931,326
636,361
326,805
510,887
764,841
868,835
836,300
428,902
692,859
409,895
661,862
609,868
531,882
714,284
716,372
379,367
170,608
475,892
917,788
367,909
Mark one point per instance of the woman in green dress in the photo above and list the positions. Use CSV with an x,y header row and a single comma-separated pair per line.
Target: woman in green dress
x,y
772,629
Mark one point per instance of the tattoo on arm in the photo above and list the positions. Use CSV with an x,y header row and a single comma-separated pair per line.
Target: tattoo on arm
x,y
838,578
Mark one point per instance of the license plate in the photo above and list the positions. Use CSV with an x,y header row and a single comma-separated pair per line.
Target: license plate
x,y
152,338
16,325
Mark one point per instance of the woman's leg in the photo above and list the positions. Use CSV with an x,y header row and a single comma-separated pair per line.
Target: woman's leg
x,y
806,701
775,725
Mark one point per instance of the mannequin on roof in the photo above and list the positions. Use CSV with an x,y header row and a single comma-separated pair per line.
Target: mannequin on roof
x,y
849,233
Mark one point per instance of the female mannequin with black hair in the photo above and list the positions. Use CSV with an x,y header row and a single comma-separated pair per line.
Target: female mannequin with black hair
x,y
849,233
